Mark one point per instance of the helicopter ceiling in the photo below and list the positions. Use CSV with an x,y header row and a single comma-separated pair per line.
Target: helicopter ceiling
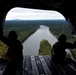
x,y
65,7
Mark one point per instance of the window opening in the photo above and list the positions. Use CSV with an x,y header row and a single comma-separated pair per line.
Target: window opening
x,y
33,27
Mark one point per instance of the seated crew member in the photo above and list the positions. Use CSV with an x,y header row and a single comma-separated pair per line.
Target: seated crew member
x,y
58,51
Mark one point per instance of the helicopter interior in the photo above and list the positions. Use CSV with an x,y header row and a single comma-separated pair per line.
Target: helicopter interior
x,y
65,7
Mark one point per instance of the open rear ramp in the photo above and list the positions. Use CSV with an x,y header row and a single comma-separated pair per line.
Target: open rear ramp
x,y
41,65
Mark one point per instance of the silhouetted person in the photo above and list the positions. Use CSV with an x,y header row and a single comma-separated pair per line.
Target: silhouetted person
x,y
14,53
59,53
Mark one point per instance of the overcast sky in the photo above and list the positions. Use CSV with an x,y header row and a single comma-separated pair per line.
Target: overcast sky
x,y
32,14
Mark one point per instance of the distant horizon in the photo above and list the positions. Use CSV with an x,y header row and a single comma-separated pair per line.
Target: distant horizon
x,y
31,20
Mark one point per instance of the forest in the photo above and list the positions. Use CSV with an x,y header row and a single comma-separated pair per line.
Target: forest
x,y
25,28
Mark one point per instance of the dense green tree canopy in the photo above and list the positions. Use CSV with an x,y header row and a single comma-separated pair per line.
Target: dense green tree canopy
x,y
45,48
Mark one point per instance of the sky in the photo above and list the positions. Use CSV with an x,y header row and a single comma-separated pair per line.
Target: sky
x,y
32,14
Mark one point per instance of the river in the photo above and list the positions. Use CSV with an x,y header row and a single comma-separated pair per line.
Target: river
x,y
32,44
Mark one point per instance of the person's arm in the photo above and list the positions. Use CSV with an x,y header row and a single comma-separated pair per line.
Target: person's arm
x,y
70,45
2,37
5,40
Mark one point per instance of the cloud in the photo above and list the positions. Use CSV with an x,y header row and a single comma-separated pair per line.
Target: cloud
x,y
32,14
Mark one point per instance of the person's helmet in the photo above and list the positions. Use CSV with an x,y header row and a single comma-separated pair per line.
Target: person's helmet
x,y
62,38
13,35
